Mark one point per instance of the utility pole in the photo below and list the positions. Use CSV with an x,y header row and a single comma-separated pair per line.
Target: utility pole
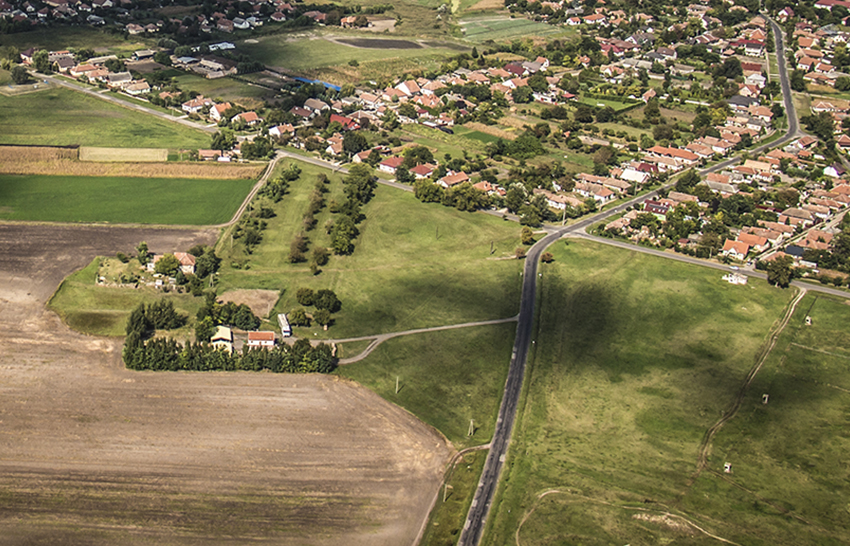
x,y
446,491
471,427
396,384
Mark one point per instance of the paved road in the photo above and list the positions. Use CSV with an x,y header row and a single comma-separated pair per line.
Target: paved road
x,y
478,512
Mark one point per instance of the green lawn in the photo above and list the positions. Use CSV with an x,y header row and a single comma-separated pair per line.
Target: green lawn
x,y
501,28
120,200
636,358
612,102
414,264
66,117
103,311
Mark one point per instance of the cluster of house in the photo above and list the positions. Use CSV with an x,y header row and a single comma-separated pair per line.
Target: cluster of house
x,y
816,51
96,12
800,222
93,70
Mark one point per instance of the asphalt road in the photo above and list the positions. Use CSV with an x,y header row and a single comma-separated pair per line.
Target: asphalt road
x,y
481,503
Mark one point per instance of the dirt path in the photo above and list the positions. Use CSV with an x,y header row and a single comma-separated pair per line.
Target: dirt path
x,y
380,338
705,445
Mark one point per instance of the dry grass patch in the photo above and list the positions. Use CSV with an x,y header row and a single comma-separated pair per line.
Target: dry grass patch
x,y
88,153
490,130
261,302
487,5
63,161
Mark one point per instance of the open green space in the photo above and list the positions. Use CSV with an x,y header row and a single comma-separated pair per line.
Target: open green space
x,y
613,103
103,311
414,265
501,28
65,117
67,37
445,378
226,89
789,454
636,357
281,50
170,201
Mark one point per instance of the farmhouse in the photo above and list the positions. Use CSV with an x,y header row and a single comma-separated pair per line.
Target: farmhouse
x,y
222,339
261,339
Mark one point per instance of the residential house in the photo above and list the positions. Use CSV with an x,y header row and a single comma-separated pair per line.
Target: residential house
x,y
262,339
222,339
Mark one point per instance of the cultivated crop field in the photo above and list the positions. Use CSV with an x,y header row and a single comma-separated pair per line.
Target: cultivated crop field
x,y
636,357
50,160
96,454
65,37
88,153
64,117
120,200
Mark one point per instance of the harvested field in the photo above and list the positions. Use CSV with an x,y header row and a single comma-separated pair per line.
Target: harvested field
x,y
96,454
261,302
88,153
485,5
62,161
374,43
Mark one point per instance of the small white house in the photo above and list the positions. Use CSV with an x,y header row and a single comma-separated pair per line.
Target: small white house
x,y
261,339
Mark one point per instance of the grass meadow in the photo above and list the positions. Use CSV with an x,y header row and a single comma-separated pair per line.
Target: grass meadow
x,y
65,37
501,28
414,265
171,201
636,357
445,378
65,117
316,55
104,311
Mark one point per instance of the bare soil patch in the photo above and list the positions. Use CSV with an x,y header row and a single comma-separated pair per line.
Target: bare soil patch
x,y
260,301
97,454
491,130
377,43
63,161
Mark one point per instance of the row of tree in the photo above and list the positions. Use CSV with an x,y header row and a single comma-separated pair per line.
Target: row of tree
x,y
164,354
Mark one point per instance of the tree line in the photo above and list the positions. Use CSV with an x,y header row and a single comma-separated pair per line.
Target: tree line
x,y
166,354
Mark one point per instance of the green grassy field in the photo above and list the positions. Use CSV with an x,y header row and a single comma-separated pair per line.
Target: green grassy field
x,y
103,311
120,200
226,89
445,378
414,264
636,358
66,117
500,28
316,52
64,37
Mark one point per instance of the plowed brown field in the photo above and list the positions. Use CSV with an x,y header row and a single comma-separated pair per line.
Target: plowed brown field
x,y
92,453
